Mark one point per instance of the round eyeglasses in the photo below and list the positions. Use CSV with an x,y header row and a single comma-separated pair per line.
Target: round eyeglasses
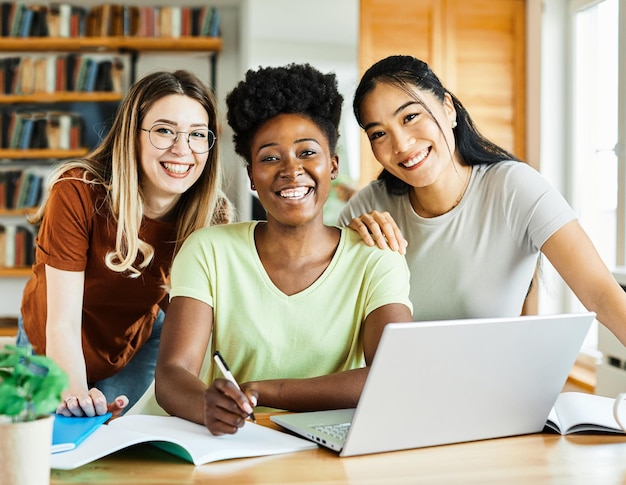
x,y
200,140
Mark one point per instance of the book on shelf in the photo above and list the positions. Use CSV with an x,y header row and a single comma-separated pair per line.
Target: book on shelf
x,y
24,248
18,248
39,25
9,180
577,412
15,18
3,243
20,188
57,130
57,72
70,432
61,19
189,441
53,20
7,245
5,13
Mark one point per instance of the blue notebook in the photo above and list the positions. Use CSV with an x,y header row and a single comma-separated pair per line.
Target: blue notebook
x,y
68,433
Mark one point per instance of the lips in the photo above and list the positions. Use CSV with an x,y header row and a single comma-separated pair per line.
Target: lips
x,y
176,168
416,159
295,193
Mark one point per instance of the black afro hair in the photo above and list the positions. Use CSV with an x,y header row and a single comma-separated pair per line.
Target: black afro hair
x,y
292,89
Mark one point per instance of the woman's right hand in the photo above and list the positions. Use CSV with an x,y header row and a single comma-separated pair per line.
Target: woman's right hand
x,y
379,228
90,403
226,407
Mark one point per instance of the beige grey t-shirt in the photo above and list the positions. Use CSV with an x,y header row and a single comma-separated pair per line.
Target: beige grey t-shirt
x,y
478,259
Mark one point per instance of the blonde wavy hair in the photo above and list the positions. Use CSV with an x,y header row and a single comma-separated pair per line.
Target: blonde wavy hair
x,y
115,164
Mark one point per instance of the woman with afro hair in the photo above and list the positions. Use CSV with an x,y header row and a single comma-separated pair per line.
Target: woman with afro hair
x,y
295,307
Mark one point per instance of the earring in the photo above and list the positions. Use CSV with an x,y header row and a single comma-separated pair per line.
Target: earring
x,y
252,186
453,124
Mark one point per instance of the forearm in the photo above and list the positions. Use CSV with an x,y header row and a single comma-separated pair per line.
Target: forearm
x,y
610,307
180,393
65,348
333,391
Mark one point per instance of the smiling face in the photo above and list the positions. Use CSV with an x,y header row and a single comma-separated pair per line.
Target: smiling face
x,y
405,137
166,174
291,169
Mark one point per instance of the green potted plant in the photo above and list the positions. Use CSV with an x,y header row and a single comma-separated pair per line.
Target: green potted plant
x,y
30,391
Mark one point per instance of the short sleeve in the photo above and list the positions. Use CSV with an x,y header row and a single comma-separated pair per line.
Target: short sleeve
x,y
63,238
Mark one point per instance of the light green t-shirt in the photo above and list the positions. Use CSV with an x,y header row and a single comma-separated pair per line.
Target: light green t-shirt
x,y
265,334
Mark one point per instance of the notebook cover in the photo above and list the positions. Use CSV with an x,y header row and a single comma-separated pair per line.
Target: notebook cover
x,y
68,433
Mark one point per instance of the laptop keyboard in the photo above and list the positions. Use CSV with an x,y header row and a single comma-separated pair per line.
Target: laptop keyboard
x,y
338,431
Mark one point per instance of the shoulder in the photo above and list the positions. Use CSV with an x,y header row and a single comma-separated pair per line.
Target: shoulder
x,y
374,190
78,179
360,251
76,187
511,180
373,196
237,231
508,170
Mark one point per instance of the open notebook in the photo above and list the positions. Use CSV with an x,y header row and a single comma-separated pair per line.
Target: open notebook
x,y
434,383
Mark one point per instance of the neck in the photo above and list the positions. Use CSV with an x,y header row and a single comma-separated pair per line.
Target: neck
x,y
438,199
159,210
294,242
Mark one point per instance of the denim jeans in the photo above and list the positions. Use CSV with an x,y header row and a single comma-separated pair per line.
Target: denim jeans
x,y
135,377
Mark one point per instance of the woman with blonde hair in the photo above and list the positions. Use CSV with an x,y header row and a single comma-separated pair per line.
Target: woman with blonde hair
x,y
108,233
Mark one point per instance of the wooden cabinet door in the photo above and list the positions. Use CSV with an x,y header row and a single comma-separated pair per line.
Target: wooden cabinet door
x,y
476,47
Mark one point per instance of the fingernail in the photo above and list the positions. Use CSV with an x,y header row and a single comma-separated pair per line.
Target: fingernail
x,y
253,400
247,408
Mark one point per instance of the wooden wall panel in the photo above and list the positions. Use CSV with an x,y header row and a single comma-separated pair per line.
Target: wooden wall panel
x,y
476,47
486,66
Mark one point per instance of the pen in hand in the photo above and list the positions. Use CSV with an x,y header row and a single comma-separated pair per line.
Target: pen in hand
x,y
221,363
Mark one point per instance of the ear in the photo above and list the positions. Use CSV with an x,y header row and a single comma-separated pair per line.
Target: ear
x,y
448,107
334,166
249,170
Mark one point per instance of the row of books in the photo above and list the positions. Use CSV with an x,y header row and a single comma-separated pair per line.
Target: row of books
x,y
16,246
63,72
59,130
20,188
68,20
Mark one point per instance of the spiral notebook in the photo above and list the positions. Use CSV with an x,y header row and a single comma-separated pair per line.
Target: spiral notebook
x,y
442,382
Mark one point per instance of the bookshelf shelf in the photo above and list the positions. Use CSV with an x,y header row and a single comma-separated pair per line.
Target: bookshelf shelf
x,y
17,212
17,272
41,154
60,97
110,44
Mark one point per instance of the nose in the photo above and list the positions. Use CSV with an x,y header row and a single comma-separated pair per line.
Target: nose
x,y
401,141
181,145
291,168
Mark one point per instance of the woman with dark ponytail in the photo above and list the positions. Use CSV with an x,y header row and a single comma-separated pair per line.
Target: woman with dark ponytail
x,y
471,218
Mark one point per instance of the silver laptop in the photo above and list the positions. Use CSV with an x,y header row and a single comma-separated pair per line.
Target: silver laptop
x,y
435,383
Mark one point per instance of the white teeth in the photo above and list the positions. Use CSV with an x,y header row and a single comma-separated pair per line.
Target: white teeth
x,y
176,168
297,193
417,159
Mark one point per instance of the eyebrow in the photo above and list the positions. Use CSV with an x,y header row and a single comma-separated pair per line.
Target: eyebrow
x,y
400,108
299,140
173,123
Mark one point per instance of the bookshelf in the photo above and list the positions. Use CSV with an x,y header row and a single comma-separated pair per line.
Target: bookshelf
x,y
132,46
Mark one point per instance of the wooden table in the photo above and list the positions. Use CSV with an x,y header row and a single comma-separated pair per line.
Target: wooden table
x,y
537,459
